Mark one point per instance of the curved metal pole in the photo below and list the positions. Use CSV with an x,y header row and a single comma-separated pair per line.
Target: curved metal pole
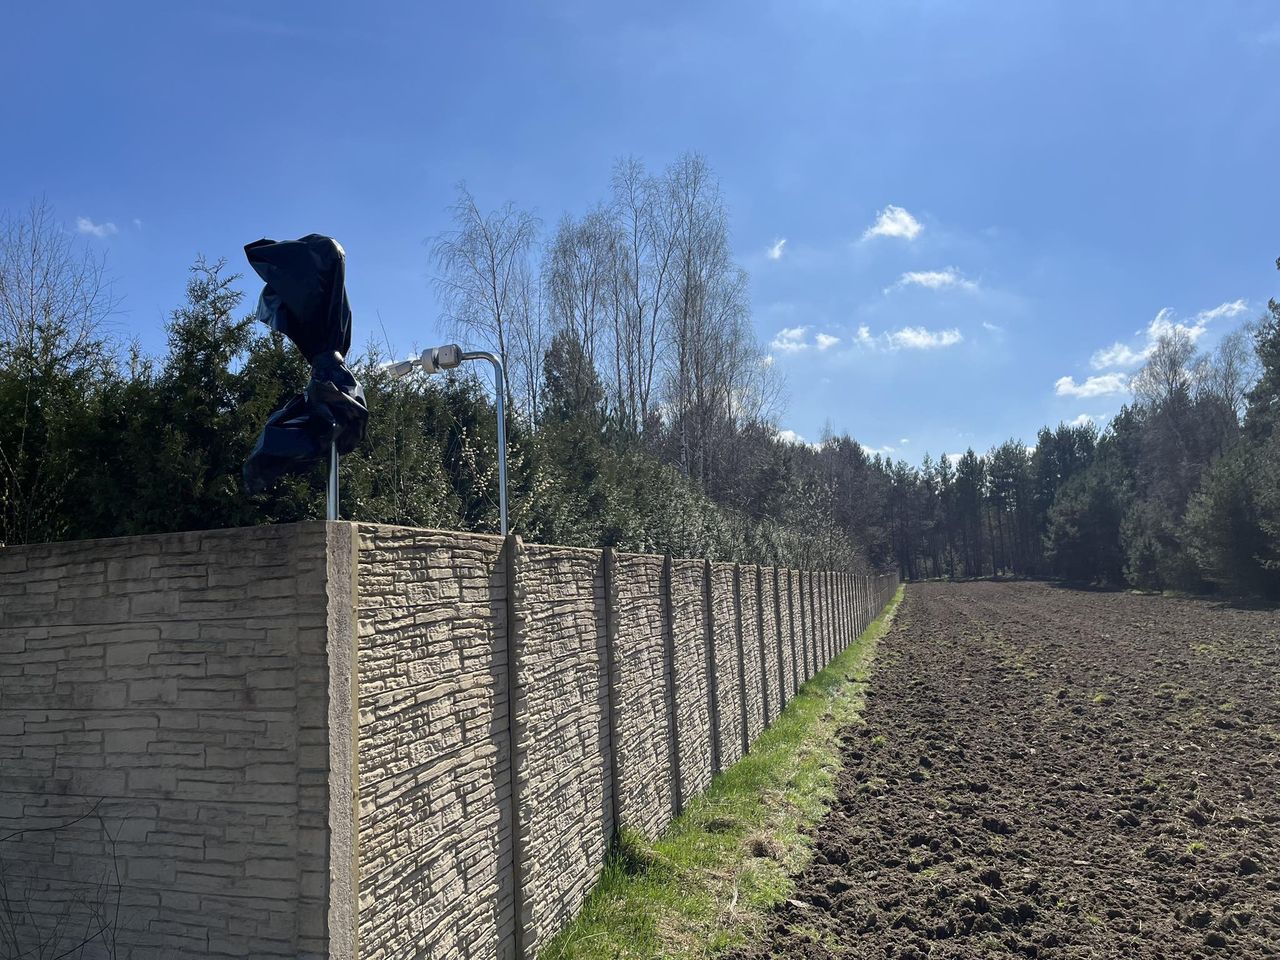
x,y
499,382
331,507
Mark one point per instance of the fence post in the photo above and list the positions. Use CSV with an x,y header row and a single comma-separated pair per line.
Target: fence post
x,y
669,670
608,564
513,547
713,689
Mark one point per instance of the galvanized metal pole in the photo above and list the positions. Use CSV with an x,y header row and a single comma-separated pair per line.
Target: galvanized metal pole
x,y
499,383
331,512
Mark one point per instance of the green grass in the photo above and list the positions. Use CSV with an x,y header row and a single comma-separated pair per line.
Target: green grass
x,y
705,884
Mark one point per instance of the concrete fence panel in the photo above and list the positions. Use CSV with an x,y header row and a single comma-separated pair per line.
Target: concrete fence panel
x,y
729,695
691,631
753,669
434,852
562,762
642,726
331,740
165,743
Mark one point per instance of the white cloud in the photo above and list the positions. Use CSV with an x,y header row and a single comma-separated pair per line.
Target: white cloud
x,y
919,338
894,222
944,279
790,436
796,339
1117,355
1228,310
88,227
137,223
1164,323
1083,420
872,451
789,340
904,440
907,338
767,361
1099,386
992,327
775,249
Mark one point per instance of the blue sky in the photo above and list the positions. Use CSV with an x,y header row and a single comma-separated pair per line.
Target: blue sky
x,y
1051,179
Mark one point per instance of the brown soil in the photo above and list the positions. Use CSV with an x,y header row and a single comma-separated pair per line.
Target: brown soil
x,y
1053,773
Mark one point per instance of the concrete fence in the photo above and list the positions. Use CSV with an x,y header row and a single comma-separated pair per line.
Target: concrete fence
x,y
341,740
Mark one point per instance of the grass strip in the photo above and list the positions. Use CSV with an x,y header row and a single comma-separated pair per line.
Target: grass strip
x,y
706,883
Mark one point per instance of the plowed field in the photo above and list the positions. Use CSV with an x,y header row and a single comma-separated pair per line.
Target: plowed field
x,y
1053,773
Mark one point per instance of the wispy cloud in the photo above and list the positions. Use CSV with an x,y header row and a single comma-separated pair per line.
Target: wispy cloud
x,y
907,338
992,327
796,339
1121,355
884,451
1081,421
89,228
947,278
1228,310
1100,386
776,248
894,222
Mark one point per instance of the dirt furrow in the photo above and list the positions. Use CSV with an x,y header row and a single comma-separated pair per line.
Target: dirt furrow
x,y
1053,773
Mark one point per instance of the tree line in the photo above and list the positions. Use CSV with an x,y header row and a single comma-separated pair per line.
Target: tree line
x,y
642,413
643,416
1181,491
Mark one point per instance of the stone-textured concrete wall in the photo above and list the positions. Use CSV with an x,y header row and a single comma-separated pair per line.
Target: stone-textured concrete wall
x,y
753,691
690,629
786,636
164,737
564,795
729,717
771,647
641,681
805,621
434,854
340,740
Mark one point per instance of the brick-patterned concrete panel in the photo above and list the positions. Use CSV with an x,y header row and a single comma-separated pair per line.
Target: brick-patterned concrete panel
x,y
833,611
434,817
824,614
752,653
770,643
689,628
819,623
641,730
797,626
562,765
730,710
163,727
804,599
787,637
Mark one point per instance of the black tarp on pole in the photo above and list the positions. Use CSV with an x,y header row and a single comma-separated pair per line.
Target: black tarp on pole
x,y
305,298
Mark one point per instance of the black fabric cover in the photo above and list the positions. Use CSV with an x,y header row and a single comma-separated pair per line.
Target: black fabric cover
x,y
305,298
